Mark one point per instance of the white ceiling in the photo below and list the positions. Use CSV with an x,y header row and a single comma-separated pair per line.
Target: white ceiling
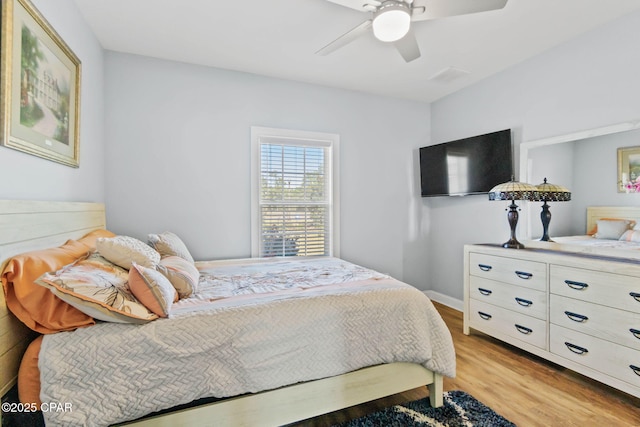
x,y
279,38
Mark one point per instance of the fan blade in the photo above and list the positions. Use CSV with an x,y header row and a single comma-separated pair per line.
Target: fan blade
x,y
346,38
432,9
357,4
408,47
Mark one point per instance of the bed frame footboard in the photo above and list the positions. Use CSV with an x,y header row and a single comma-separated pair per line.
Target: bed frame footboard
x,y
305,400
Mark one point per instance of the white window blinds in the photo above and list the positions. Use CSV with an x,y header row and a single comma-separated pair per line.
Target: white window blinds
x,y
294,196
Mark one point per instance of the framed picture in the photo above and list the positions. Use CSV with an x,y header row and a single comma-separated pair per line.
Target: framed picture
x,y
629,170
40,87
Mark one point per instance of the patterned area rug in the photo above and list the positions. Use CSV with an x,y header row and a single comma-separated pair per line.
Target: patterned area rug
x,y
459,410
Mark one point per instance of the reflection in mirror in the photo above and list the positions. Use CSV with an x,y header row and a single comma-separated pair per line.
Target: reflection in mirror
x,y
586,163
458,172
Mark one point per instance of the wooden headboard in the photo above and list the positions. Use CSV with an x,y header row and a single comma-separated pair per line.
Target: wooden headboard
x,y
26,226
594,213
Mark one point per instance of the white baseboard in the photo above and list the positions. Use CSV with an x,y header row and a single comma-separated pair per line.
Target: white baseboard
x,y
445,300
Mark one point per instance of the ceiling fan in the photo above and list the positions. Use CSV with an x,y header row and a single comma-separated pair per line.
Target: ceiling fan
x,y
391,20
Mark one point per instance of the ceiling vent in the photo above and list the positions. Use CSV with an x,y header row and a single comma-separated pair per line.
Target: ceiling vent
x,y
449,74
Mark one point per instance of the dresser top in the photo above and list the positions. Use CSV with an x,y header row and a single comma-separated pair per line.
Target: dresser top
x,y
554,255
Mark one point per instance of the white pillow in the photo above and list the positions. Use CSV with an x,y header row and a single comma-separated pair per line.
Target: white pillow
x,y
611,230
169,244
123,250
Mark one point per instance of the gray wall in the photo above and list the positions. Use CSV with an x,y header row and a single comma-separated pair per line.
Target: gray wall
x,y
29,177
585,83
178,158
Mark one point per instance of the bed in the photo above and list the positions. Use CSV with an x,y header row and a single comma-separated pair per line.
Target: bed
x,y
623,219
28,226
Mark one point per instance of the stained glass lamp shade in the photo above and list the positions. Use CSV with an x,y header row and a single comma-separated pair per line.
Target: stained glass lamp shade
x,y
513,190
547,192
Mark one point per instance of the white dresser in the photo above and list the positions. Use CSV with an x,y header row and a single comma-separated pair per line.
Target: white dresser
x,y
579,311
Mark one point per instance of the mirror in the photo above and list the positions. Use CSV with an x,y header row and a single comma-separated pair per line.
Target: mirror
x,y
585,162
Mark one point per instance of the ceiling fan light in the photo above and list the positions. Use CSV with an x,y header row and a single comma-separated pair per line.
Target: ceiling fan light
x,y
392,21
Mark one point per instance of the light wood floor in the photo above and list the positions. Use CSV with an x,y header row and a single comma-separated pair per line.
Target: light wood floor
x,y
523,388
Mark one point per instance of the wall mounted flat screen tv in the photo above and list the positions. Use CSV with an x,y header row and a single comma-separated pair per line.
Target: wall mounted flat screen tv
x,y
466,166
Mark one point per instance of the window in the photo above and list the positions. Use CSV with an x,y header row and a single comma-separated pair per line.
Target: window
x,y
294,193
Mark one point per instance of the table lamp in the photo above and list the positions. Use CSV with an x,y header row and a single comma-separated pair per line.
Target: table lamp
x,y
549,193
513,190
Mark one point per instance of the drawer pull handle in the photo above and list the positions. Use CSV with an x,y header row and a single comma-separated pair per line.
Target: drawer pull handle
x,y
635,332
524,275
576,348
484,267
576,285
485,316
576,317
635,369
635,296
524,302
484,291
523,329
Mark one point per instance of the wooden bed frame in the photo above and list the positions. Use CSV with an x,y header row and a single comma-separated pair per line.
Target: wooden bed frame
x,y
595,213
31,225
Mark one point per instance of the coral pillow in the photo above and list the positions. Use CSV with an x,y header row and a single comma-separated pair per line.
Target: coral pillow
x,y
92,238
34,305
152,289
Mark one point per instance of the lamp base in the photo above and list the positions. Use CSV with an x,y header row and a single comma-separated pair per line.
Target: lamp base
x,y
512,216
545,216
513,244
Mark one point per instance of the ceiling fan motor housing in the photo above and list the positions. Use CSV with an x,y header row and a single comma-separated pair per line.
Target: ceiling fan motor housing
x,y
391,20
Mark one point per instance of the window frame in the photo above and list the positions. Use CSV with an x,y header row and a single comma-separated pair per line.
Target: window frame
x,y
301,138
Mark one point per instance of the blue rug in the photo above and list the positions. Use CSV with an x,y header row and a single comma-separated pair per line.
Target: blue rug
x,y
459,410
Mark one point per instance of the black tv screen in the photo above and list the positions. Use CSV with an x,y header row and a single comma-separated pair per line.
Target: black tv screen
x,y
467,166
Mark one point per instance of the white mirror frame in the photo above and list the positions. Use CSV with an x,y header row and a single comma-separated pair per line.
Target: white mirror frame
x,y
585,134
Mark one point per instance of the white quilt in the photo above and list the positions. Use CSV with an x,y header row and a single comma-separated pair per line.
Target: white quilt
x,y
231,339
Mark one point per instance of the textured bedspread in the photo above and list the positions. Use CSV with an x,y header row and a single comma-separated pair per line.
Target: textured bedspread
x,y
325,317
590,241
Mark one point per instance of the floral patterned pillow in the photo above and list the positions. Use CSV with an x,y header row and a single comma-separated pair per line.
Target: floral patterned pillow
x,y
182,274
99,288
630,236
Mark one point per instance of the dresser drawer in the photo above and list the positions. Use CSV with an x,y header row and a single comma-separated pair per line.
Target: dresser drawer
x,y
618,326
518,272
517,298
611,359
516,325
613,290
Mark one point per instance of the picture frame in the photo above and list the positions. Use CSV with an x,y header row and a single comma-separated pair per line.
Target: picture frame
x,y
39,87
629,169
